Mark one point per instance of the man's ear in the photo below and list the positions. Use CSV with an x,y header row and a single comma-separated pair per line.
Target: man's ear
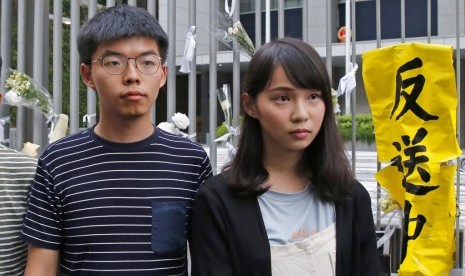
x,y
86,74
248,103
163,80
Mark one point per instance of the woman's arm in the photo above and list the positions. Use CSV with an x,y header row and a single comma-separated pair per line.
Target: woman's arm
x,y
41,262
209,245
368,249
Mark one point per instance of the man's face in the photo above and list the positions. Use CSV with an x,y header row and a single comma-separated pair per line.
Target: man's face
x,y
129,94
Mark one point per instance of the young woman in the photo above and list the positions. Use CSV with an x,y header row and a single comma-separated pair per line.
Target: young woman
x,y
288,203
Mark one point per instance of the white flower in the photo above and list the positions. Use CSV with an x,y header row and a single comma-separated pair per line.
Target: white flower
x,y
180,120
231,33
28,92
225,105
336,107
12,98
387,204
168,127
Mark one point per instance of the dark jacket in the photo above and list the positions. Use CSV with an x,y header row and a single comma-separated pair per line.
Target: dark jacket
x,y
229,236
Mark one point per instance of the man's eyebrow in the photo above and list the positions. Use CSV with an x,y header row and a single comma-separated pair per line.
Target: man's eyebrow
x,y
149,52
110,53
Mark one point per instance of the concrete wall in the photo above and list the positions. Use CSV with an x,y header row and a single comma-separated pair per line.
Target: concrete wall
x,y
447,17
182,23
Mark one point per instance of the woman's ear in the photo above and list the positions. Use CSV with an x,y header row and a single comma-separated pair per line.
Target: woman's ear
x,y
86,74
248,103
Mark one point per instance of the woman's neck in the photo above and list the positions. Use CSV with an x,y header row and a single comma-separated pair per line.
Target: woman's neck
x,y
284,173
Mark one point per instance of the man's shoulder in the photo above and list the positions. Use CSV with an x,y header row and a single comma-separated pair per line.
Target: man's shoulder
x,y
177,141
68,142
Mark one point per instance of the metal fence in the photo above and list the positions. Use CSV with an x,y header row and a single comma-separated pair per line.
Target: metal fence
x,y
31,31
26,35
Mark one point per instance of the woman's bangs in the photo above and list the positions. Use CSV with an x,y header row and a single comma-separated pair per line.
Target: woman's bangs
x,y
304,76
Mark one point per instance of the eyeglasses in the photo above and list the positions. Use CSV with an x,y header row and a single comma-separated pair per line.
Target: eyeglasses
x,y
116,64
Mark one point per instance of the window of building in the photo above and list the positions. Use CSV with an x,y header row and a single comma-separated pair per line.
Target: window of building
x,y
248,6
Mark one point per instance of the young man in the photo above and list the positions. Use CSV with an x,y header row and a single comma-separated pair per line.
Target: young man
x,y
16,174
116,199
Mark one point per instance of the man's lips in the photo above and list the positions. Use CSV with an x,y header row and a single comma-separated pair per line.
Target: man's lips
x,y
133,95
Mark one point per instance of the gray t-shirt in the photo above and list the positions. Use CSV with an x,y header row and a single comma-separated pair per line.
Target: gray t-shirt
x,y
294,217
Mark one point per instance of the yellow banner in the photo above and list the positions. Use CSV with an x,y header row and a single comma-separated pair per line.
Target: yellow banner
x,y
412,95
430,241
411,86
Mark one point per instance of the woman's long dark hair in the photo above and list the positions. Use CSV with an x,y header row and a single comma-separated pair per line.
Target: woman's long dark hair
x,y
324,160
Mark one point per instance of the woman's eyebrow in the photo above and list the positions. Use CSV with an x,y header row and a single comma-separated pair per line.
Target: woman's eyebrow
x,y
280,88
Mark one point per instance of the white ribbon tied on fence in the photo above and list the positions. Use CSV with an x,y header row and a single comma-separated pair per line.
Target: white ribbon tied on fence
x,y
231,149
234,131
86,118
388,232
189,50
228,10
347,83
60,129
231,131
51,120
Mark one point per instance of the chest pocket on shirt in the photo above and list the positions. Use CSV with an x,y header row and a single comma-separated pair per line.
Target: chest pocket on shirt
x,y
169,228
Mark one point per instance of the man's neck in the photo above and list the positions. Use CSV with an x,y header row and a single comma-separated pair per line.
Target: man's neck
x,y
125,131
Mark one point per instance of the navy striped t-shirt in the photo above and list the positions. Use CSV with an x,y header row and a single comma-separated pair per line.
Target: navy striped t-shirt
x,y
116,209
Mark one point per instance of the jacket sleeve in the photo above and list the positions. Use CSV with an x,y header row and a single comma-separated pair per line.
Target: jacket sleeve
x,y
209,245
369,260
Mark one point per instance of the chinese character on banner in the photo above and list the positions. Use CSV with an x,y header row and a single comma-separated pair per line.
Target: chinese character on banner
x,y
412,95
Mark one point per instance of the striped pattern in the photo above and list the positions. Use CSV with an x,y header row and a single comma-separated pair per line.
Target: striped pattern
x,y
16,173
92,199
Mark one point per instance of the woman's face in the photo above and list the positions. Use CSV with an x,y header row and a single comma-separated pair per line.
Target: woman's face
x,y
290,117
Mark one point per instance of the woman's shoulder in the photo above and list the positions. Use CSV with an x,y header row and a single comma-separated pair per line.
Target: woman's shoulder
x,y
358,193
359,189
219,187
216,184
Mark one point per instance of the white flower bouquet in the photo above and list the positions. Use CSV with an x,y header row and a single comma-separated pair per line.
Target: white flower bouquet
x,y
24,91
179,121
387,204
336,106
231,34
224,97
